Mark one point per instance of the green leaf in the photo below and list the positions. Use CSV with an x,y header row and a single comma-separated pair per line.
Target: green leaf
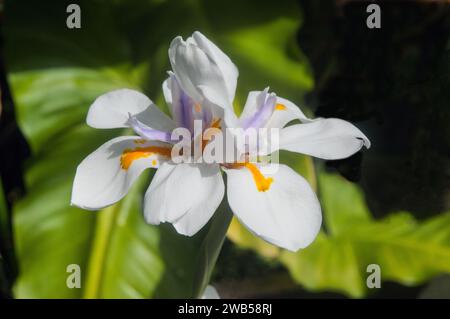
x,y
408,251
120,44
343,204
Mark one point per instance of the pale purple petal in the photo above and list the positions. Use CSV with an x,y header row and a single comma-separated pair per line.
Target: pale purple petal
x,y
266,104
181,104
146,132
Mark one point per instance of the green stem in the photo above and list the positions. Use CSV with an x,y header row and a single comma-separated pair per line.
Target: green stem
x,y
101,241
211,247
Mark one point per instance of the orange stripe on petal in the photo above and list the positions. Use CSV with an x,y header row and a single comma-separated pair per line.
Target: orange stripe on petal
x,y
130,155
262,183
208,134
280,107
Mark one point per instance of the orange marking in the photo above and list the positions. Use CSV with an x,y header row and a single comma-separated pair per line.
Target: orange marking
x,y
262,183
197,107
207,137
130,155
215,123
280,107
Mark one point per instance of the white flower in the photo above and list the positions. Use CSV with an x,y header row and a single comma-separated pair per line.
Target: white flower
x,y
183,194
278,206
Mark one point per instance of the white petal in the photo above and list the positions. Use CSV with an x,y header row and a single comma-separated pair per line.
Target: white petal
x,y
280,117
186,195
101,181
210,293
199,75
287,214
167,91
182,106
229,70
324,138
112,109
251,104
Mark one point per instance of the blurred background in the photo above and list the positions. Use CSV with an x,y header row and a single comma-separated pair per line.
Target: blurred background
x,y
389,205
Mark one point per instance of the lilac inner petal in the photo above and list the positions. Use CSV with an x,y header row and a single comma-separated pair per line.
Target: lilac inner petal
x,y
186,110
182,105
146,132
206,116
263,113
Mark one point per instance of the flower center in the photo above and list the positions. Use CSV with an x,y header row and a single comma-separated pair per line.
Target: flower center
x,y
262,183
130,155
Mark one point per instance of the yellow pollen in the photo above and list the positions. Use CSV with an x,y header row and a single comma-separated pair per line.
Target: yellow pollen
x,y
262,183
280,107
154,162
130,155
197,107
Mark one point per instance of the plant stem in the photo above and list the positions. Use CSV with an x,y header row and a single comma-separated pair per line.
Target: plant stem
x,y
98,253
211,247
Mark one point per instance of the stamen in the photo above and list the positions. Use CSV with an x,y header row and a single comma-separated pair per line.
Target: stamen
x,y
130,155
262,183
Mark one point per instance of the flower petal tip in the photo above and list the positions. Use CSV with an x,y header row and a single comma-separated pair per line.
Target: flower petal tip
x,y
184,231
365,142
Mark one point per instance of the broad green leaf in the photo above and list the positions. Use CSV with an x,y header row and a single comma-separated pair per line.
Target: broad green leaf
x,y
407,251
56,73
343,204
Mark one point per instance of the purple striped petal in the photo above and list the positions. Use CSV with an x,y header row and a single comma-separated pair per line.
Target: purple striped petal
x,y
186,104
267,103
181,104
146,132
